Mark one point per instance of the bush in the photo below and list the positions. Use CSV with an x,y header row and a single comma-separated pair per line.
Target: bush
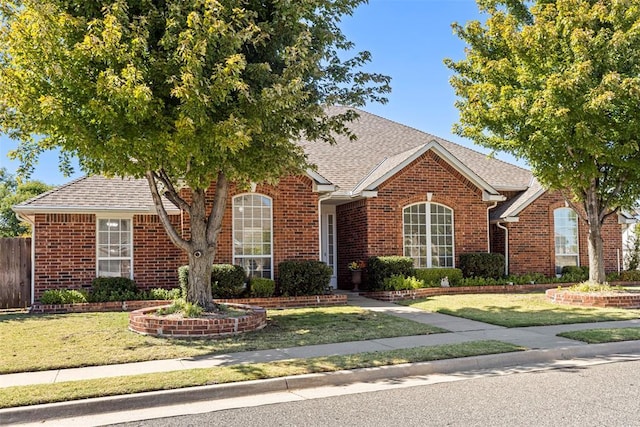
x,y
260,287
105,289
63,296
573,273
401,283
304,278
630,276
227,281
161,294
482,264
432,276
183,307
384,267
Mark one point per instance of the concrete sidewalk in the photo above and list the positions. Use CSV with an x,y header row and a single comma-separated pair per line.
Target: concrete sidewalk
x,y
462,330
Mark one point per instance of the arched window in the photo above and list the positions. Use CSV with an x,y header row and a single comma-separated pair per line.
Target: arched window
x,y
252,234
565,223
428,235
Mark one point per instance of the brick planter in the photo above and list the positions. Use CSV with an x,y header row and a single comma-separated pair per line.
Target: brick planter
x,y
594,299
146,322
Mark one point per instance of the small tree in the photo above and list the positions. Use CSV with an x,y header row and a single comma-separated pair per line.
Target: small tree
x,y
182,92
557,84
12,193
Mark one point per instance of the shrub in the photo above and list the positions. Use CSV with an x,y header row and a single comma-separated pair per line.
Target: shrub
x,y
183,307
304,278
482,264
161,294
260,287
432,276
401,283
573,273
105,289
228,281
63,296
384,267
630,276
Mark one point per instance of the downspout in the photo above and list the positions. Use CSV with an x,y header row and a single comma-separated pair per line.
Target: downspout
x,y
506,247
489,226
33,254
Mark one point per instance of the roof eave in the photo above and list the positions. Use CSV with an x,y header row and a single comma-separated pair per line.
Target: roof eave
x,y
448,157
29,210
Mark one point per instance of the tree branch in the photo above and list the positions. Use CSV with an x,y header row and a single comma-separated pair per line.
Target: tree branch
x,y
171,193
162,213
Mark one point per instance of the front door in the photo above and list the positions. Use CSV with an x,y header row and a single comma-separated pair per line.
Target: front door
x,y
328,241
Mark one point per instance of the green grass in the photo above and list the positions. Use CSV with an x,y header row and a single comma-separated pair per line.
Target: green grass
x,y
517,310
597,336
49,393
42,342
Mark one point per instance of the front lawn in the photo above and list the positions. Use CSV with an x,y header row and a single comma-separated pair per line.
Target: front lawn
x,y
597,336
517,310
42,342
73,390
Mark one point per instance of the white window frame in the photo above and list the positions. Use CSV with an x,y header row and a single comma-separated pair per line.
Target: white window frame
x,y
555,236
428,235
129,258
237,259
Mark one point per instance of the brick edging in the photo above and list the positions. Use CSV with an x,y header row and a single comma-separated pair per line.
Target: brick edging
x,y
270,303
630,300
145,321
392,296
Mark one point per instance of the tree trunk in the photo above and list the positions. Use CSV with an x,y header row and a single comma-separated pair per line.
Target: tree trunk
x,y
596,244
201,254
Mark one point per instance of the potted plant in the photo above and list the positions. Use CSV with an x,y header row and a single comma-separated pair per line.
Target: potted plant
x,y
356,273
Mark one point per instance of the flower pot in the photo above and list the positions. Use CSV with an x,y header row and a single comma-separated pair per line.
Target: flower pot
x,y
356,279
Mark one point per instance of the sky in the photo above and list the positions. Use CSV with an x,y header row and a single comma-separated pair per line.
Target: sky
x,y
408,40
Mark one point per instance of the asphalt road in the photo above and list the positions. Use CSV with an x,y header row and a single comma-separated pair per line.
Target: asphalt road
x,y
598,395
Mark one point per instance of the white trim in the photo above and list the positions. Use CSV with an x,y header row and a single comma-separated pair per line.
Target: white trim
x,y
486,197
131,242
317,177
429,235
323,188
233,231
447,156
526,203
90,210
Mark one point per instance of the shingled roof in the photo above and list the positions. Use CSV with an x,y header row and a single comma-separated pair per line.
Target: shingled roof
x,y
383,146
347,163
96,193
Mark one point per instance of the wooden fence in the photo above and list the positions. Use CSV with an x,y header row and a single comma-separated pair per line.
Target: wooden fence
x,y
15,272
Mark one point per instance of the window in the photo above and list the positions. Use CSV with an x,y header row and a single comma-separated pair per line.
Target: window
x,y
252,230
428,235
114,248
565,223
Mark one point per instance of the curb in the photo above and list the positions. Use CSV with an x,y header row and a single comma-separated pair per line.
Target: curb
x,y
630,350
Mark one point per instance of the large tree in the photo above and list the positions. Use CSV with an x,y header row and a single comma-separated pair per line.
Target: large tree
x,y
183,92
558,84
13,192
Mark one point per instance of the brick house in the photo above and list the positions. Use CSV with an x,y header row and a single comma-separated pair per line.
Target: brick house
x,y
394,191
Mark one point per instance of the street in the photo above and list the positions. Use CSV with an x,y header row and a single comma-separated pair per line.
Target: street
x,y
596,395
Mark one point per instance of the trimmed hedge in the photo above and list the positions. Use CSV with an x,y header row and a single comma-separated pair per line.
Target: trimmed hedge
x,y
299,278
380,268
432,276
105,289
482,264
572,273
63,296
260,287
227,280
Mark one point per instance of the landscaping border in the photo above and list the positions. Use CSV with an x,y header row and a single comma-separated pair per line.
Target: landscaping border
x,y
392,296
146,322
270,303
630,300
